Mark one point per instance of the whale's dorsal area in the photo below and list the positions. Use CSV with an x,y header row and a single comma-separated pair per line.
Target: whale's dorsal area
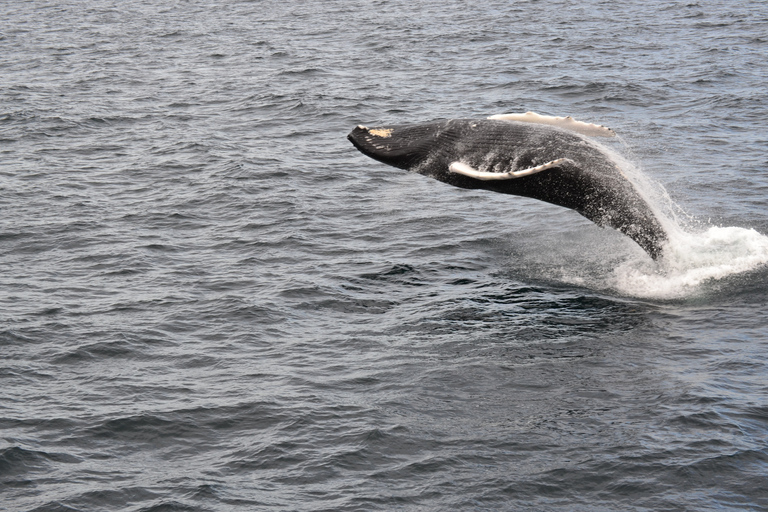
x,y
567,123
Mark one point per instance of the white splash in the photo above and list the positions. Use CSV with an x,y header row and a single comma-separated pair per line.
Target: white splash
x,y
692,257
696,260
692,260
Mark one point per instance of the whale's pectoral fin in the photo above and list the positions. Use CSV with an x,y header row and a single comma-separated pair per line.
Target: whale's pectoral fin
x,y
466,170
566,122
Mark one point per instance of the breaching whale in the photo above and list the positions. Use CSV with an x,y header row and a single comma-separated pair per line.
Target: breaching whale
x,y
543,157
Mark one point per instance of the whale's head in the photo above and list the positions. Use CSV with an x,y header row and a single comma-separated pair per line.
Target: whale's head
x,y
403,146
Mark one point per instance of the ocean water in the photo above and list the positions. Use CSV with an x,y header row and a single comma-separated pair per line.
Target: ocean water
x,y
212,302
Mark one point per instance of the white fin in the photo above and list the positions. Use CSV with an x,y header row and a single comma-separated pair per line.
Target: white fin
x,y
460,168
567,123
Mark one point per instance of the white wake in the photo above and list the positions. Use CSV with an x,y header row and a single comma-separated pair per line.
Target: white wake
x,y
692,260
693,257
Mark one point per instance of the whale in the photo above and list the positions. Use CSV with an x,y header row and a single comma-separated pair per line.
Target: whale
x,y
552,159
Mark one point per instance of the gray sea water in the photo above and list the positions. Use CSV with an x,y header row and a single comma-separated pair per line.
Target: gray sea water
x,y
212,302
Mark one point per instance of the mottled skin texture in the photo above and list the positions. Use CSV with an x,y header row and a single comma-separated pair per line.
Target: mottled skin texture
x,y
592,184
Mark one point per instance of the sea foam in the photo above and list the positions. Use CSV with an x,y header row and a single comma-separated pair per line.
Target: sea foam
x,y
694,256
692,260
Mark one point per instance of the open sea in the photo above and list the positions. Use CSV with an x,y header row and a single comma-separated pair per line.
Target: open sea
x,y
210,301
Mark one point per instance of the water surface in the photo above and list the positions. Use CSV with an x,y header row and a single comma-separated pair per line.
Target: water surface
x,y
212,301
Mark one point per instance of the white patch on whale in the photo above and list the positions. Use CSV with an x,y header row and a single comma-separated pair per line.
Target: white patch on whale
x,y
567,123
466,170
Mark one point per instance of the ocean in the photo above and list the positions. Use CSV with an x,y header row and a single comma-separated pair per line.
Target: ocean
x,y
211,301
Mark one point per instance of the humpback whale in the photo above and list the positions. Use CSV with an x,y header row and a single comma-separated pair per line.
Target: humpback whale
x,y
552,159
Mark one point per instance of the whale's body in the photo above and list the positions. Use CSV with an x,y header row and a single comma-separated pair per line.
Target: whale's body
x,y
529,158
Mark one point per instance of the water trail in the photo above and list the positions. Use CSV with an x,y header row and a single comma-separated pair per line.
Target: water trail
x,y
695,254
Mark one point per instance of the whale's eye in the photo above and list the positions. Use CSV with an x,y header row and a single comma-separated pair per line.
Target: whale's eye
x,y
381,132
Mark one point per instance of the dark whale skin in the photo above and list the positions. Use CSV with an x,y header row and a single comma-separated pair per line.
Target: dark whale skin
x,y
591,183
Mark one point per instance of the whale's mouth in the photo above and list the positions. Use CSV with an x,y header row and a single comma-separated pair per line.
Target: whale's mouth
x,y
399,146
379,144
362,138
